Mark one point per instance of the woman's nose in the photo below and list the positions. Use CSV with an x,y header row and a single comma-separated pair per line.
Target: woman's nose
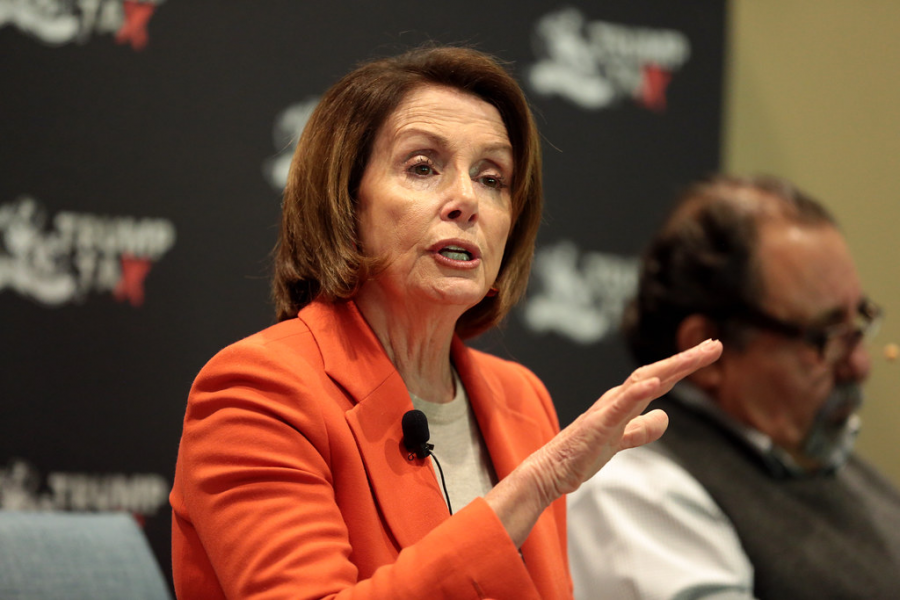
x,y
462,200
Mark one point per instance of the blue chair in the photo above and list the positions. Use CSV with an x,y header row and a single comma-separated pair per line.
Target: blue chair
x,y
77,556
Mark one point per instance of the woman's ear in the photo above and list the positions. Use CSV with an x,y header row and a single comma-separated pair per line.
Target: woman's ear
x,y
693,330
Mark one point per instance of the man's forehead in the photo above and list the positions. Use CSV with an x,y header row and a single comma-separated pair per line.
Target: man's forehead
x,y
806,271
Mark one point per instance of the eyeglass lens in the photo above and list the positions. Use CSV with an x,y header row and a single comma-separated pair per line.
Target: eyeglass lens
x,y
841,340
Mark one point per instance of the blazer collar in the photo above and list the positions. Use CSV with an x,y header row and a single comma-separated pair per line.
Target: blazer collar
x,y
407,491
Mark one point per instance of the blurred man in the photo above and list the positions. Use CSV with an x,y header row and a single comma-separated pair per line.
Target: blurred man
x,y
753,491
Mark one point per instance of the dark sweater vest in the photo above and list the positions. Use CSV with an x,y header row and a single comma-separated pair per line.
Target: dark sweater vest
x,y
819,537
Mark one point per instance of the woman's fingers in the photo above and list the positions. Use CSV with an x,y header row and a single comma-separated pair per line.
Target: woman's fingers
x,y
613,423
668,371
615,420
624,402
652,381
644,429
671,370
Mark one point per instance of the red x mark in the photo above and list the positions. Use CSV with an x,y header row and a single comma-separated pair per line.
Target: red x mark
x,y
134,27
131,286
653,87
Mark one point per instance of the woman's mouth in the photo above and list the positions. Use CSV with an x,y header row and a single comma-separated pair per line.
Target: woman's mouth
x,y
455,253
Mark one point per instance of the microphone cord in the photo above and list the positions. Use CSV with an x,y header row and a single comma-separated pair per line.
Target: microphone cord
x,y
415,438
443,483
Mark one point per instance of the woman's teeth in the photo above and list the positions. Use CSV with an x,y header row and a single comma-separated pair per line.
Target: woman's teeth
x,y
455,253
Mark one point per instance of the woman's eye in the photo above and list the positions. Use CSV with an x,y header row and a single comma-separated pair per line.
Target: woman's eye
x,y
492,182
421,166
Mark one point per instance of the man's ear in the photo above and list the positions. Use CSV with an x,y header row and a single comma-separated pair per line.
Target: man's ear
x,y
693,330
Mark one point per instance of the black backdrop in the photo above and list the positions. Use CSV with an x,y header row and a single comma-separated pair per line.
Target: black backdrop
x,y
141,143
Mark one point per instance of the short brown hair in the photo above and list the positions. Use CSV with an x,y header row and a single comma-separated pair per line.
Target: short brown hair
x,y
317,256
703,258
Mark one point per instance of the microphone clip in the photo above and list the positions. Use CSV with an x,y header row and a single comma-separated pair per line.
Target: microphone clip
x,y
420,452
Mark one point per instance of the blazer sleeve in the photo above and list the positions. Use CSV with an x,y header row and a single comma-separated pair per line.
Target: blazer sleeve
x,y
256,489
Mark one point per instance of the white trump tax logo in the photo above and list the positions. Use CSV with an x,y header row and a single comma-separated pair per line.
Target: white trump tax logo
x,y
596,64
578,296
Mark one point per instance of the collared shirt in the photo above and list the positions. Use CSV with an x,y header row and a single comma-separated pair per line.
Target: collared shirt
x,y
643,528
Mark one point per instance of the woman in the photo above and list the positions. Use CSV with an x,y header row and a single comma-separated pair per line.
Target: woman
x,y
409,222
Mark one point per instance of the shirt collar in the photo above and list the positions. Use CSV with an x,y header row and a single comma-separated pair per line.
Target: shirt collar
x,y
778,461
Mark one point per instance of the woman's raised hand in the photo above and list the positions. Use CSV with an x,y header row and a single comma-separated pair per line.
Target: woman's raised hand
x,y
613,423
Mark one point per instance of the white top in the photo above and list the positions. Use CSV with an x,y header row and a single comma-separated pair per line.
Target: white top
x,y
458,446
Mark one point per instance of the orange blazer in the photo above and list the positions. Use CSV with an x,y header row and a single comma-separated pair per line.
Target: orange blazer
x,y
292,480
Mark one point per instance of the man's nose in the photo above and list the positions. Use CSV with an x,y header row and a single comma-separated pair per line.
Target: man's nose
x,y
855,366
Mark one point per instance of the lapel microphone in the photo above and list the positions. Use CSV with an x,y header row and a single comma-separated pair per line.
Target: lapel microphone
x,y
415,434
415,438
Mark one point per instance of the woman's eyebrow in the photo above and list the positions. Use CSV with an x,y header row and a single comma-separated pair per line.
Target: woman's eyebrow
x,y
443,142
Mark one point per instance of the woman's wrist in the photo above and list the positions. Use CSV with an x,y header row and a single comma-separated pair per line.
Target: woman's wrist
x,y
519,499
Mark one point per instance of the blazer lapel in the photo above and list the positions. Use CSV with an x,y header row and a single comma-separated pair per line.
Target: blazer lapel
x,y
509,435
406,490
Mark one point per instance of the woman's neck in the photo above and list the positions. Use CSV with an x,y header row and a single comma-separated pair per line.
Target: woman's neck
x,y
417,341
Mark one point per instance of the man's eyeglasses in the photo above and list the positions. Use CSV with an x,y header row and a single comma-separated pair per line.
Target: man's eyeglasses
x,y
833,342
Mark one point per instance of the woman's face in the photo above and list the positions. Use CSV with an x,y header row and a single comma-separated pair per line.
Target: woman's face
x,y
434,199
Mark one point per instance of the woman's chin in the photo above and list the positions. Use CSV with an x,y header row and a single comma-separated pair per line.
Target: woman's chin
x,y
461,294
